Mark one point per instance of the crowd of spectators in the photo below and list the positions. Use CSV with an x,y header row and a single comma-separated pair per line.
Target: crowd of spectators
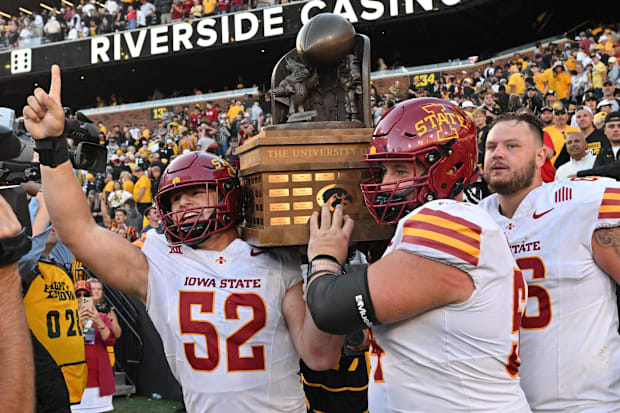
x,y
572,88
563,71
87,18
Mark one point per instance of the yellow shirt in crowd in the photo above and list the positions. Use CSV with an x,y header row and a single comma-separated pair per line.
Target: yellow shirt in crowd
x,y
597,75
539,81
128,186
562,84
558,136
109,187
516,80
234,111
609,48
143,182
208,6
548,73
571,64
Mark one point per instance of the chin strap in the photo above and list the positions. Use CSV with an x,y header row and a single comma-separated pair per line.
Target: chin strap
x,y
200,228
457,188
392,212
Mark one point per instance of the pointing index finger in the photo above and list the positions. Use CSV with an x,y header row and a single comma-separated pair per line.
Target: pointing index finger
x,y
56,83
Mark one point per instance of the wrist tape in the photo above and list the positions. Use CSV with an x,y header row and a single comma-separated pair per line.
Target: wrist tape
x,y
15,247
53,151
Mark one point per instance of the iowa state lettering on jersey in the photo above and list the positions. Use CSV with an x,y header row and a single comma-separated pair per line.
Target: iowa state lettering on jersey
x,y
525,247
225,283
59,290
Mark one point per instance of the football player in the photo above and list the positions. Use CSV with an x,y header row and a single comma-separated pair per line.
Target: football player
x,y
231,317
565,238
445,300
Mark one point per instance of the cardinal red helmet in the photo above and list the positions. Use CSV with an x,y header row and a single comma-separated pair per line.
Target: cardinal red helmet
x,y
199,169
430,132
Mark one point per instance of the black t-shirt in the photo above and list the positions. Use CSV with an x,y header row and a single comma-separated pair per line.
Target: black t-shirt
x,y
409,94
13,37
482,141
502,100
546,60
468,91
166,152
117,169
534,104
98,218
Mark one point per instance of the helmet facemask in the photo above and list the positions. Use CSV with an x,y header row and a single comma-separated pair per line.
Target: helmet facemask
x,y
195,228
388,202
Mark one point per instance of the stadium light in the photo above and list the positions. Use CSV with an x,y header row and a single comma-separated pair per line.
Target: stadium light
x,y
67,3
8,16
45,6
100,4
25,11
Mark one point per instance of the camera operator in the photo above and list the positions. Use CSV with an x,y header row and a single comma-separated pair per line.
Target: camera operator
x,y
17,380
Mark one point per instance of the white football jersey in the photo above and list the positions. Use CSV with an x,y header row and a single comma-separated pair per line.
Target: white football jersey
x,y
570,347
461,357
220,319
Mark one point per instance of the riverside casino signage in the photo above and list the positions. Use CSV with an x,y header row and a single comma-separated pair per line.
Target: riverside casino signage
x,y
208,32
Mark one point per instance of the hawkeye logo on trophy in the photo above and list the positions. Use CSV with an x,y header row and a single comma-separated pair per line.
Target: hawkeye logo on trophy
x,y
313,153
334,195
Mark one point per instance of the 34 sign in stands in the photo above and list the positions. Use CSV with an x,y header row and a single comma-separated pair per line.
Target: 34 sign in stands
x,y
424,79
207,32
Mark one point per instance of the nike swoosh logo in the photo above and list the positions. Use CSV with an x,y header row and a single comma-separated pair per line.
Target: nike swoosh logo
x,y
536,216
256,253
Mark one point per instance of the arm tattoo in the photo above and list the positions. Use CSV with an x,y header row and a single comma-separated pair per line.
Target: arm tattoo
x,y
608,238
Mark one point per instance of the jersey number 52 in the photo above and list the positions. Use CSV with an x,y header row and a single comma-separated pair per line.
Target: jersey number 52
x,y
235,362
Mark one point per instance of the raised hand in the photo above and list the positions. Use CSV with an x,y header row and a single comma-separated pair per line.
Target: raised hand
x,y
43,115
9,224
332,237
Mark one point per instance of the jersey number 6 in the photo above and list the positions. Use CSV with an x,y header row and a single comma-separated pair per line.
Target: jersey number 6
x,y
235,300
539,272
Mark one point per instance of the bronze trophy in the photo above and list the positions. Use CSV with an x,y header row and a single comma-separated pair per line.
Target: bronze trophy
x,y
313,153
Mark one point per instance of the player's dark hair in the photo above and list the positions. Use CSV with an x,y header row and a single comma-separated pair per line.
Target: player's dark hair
x,y
119,209
532,121
130,202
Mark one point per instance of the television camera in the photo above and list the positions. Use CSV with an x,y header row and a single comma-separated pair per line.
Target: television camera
x,y
17,155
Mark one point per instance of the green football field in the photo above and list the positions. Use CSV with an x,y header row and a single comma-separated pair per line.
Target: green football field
x,y
140,404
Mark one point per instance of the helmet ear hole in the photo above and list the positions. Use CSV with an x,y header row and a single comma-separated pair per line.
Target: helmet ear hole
x,y
226,218
433,156
430,196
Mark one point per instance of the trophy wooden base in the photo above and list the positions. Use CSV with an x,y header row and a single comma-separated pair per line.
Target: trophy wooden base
x,y
288,174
